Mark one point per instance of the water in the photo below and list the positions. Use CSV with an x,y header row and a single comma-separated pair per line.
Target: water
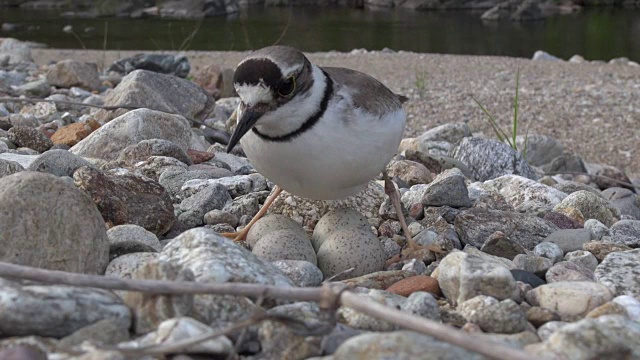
x,y
594,33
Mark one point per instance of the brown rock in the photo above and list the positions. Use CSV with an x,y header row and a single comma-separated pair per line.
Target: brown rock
x,y
68,73
210,79
601,249
609,308
72,134
200,156
26,136
539,316
128,199
573,214
413,284
411,172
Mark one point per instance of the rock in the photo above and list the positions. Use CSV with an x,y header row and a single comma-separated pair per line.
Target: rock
x,y
17,51
177,65
562,221
214,258
127,199
475,225
569,187
74,133
68,73
544,56
527,278
194,207
336,220
124,266
154,166
131,128
350,248
526,195
363,321
570,239
8,167
626,232
549,250
541,149
173,179
238,185
499,245
422,304
496,260
215,217
38,88
110,331
246,206
603,173
126,239
450,132
583,258
625,200
631,305
590,205
271,223
171,95
447,189
65,230
26,309
59,163
547,329
605,337
463,276
24,136
489,159
180,329
152,147
532,263
301,273
539,316
571,300
415,284
610,308
22,352
285,245
410,172
569,271
504,317
620,272
198,157
577,59
399,345
597,228
601,249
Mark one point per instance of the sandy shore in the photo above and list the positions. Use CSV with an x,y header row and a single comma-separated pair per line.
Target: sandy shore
x,y
594,109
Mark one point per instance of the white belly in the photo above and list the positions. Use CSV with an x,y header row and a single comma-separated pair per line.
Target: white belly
x,y
335,159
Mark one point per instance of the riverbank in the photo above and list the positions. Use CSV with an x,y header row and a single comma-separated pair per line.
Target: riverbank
x,y
591,108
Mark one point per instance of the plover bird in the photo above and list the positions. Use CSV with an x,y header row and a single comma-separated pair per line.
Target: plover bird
x,y
321,133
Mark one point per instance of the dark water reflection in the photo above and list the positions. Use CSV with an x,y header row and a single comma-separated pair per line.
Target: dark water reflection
x,y
594,33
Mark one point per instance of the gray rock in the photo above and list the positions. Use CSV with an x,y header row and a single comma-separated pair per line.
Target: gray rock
x,y
549,250
487,258
125,239
131,128
569,187
171,95
400,345
177,65
48,223
153,147
526,195
391,247
271,223
8,167
336,220
38,88
447,189
600,249
422,304
451,132
566,163
285,245
571,300
68,73
544,56
246,206
570,239
499,245
490,159
214,258
124,266
411,172
546,330
590,205
237,165
359,320
625,200
59,163
504,317
605,337
569,271
582,257
475,225
27,309
194,208
631,305
173,179
110,331
463,276
626,232
620,272
215,217
301,273
24,136
154,166
597,228
540,149
350,248
532,263
238,185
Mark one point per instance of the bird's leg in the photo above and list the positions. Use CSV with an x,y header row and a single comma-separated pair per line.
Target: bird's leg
x,y
239,236
394,196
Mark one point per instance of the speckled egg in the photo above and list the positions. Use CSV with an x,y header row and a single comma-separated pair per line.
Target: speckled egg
x,y
338,219
271,223
347,248
285,245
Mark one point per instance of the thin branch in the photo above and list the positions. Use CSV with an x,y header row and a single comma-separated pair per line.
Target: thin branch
x,y
329,296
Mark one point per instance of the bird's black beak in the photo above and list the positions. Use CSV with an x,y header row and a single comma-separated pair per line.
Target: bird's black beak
x,y
248,119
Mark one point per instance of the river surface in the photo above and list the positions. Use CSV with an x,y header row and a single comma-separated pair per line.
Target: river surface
x,y
596,34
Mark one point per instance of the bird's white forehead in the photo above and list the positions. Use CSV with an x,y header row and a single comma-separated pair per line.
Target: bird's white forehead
x,y
286,68
254,94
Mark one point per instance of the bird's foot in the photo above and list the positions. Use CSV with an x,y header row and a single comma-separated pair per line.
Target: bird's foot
x,y
236,236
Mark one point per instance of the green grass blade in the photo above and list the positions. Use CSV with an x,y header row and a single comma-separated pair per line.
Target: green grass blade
x,y
501,134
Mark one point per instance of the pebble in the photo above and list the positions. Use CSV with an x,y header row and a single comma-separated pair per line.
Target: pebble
x,y
626,232
572,300
590,205
152,147
625,200
620,272
549,250
193,208
582,257
597,229
532,263
504,317
562,221
447,189
569,271
422,304
527,278
601,249
24,136
301,273
526,195
570,239
129,238
216,216
59,163
547,329
538,316
72,134
8,167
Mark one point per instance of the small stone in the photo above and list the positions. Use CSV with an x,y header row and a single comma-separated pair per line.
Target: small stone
x,y
597,228
539,316
74,133
625,200
450,132
336,220
601,249
68,73
59,163
152,147
302,273
541,149
532,263
544,56
549,250
504,317
420,283
631,305
38,88
173,179
24,136
569,271
526,195
626,232
571,300
570,239
271,223
125,239
422,304
583,258
620,272
194,207
562,221
362,321
527,278
198,157
8,167
499,244
416,266
590,205
410,172
547,329
447,189
350,248
103,332
285,245
216,216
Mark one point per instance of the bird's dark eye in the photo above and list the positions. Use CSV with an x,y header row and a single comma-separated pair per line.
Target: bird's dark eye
x,y
287,87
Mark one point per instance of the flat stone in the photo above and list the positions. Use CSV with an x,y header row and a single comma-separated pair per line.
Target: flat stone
x,y
25,136
562,221
570,239
569,271
620,272
571,300
110,331
420,283
152,147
